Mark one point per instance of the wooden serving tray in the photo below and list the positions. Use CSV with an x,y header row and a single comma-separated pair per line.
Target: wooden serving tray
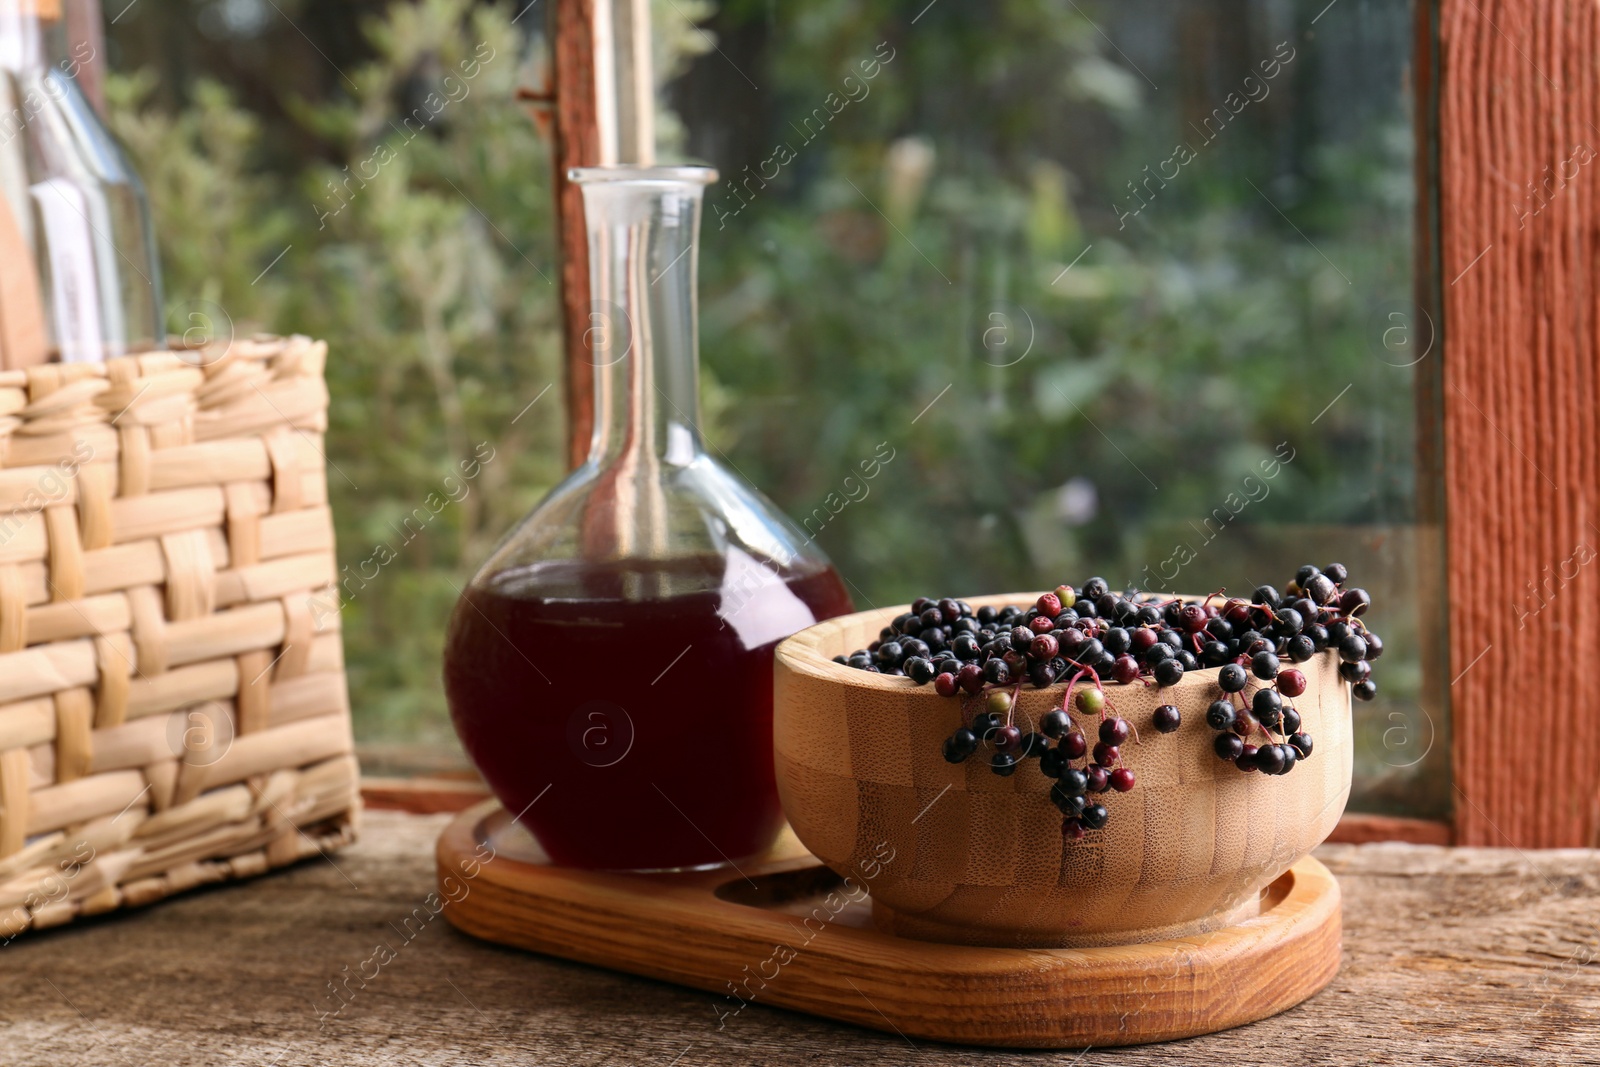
x,y
782,931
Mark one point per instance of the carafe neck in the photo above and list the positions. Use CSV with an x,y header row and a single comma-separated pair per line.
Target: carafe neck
x,y
643,226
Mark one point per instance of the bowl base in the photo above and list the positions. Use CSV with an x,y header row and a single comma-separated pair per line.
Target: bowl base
x,y
782,930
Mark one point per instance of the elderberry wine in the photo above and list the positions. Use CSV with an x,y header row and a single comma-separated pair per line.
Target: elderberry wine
x,y
630,731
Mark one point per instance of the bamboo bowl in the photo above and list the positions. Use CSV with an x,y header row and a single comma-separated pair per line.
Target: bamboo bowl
x,y
979,859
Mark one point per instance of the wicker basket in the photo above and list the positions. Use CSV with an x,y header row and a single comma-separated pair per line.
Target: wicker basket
x,y
172,695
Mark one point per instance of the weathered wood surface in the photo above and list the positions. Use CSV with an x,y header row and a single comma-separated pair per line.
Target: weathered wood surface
x,y
1470,956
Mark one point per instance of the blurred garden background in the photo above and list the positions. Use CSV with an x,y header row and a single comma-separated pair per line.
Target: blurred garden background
x,y
1083,267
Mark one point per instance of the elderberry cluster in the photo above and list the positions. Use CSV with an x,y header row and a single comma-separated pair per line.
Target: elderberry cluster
x,y
1093,635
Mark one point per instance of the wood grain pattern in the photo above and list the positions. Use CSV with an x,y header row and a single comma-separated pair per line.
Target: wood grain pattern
x,y
1451,956
980,859
780,930
577,139
1519,111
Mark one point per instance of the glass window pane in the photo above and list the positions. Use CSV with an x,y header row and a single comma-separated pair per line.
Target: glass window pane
x,y
998,297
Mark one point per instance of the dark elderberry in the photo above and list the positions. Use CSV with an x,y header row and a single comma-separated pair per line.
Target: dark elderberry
x,y
1337,573
1149,615
1228,746
996,672
1232,678
1156,653
1033,746
985,723
1290,758
1290,722
1095,588
1186,660
1290,622
1374,645
1007,738
1246,759
1167,718
1264,665
1300,648
1266,702
1354,602
966,647
986,615
919,669
1306,572
1054,723
1040,675
1365,690
1052,763
1169,672
1359,671
959,745
1320,589
1338,630
1353,648
1099,778
1270,760
1265,594
1219,628
1069,804
1074,782
1220,715
1318,634
1301,743
1114,731
1094,816
890,654
1003,763
1214,654
1074,745
1106,755
1125,669
1117,640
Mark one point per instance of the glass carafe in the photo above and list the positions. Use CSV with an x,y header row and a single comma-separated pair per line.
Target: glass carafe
x,y
70,204
609,669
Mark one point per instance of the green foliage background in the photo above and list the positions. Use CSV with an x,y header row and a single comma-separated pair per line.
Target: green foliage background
x,y
921,242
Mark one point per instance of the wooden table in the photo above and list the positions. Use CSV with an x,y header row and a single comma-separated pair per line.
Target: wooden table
x,y
1458,956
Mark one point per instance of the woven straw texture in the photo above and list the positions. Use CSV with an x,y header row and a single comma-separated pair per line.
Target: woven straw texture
x,y
173,708
980,859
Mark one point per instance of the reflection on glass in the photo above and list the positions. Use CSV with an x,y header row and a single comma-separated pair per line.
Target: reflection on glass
x,y
70,202
1124,289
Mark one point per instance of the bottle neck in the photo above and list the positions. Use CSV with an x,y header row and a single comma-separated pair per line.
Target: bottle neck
x,y
643,338
22,34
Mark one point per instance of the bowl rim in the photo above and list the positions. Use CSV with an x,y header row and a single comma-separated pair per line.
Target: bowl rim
x,y
799,652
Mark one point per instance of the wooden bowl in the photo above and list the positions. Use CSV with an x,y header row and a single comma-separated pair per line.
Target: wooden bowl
x,y
955,853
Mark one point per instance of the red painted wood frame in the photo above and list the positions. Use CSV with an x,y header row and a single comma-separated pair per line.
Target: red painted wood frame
x,y
1508,98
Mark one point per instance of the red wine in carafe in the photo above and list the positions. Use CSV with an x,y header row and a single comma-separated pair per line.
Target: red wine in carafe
x,y
625,709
